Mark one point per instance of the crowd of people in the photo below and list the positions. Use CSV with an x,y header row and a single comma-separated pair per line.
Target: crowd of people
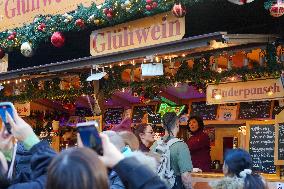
x,y
130,160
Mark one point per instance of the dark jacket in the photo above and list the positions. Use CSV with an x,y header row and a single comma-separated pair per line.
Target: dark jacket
x,y
115,182
137,176
42,155
199,146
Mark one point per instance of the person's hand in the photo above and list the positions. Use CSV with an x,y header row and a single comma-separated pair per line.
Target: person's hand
x,y
111,155
6,141
20,129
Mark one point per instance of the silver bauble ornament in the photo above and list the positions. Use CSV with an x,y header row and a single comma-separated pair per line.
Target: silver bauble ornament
x,y
26,49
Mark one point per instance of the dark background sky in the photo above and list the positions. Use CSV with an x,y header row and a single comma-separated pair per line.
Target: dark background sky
x,y
202,18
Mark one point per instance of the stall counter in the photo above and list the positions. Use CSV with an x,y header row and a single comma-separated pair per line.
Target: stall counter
x,y
201,180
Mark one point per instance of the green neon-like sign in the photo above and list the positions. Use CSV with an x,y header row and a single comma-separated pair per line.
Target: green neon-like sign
x,y
164,108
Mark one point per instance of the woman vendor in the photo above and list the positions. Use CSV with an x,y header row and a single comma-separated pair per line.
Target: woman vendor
x,y
199,144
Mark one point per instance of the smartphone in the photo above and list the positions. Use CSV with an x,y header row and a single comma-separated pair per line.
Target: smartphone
x,y
90,136
6,107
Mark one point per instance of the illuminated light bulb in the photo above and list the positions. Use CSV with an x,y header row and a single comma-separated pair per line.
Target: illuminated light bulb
x,y
218,97
144,60
133,62
176,84
270,93
4,82
110,66
8,82
232,78
16,81
123,90
20,80
219,70
183,55
157,59
83,95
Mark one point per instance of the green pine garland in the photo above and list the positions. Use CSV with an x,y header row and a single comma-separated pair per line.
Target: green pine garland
x,y
93,18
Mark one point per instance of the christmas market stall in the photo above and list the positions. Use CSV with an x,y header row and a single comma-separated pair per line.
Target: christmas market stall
x,y
143,64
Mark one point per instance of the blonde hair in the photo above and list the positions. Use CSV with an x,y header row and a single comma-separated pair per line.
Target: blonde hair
x,y
130,140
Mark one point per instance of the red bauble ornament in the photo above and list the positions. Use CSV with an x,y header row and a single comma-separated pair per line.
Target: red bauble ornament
x,y
14,33
110,10
148,1
109,15
142,99
57,39
179,10
277,9
148,7
11,37
106,11
80,23
41,27
2,53
155,4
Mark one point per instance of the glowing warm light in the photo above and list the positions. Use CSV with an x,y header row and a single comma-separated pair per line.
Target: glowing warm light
x,y
123,90
16,81
8,82
183,55
157,59
270,93
110,66
232,78
218,97
176,84
219,70
20,80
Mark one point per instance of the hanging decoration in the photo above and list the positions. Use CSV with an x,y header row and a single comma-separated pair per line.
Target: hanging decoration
x,y
26,49
57,39
277,9
240,2
199,75
179,10
41,27
108,14
80,23
2,53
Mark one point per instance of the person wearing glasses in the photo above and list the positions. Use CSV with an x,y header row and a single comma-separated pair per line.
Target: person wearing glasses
x,y
145,135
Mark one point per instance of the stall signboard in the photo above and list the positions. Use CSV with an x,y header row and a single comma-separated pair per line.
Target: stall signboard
x,y
207,112
143,32
113,116
164,108
260,145
16,13
258,90
23,109
279,139
227,112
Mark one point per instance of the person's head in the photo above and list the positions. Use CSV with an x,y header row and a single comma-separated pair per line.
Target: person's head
x,y
145,134
196,124
4,182
130,140
170,123
115,139
77,168
238,162
127,113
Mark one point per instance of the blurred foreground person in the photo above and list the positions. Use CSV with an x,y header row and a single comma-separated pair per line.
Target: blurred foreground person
x,y
41,156
130,140
238,174
69,169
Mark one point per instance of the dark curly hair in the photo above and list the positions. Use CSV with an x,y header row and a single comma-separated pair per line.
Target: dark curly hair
x,y
199,121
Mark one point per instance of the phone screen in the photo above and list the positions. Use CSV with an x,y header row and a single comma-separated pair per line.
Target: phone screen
x,y
3,109
90,136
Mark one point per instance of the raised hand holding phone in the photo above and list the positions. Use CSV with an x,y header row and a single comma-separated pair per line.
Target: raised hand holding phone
x,y
89,136
6,108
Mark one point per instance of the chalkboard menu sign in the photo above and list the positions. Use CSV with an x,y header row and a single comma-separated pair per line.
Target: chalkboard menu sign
x,y
261,137
207,112
139,111
280,141
253,110
113,116
154,118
